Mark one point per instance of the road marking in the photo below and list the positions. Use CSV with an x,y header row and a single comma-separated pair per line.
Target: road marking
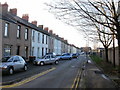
x,y
77,80
28,79
74,81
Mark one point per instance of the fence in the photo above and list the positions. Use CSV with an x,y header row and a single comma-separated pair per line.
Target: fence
x,y
110,55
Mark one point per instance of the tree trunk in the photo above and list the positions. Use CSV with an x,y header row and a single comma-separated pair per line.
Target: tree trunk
x,y
119,52
106,53
113,51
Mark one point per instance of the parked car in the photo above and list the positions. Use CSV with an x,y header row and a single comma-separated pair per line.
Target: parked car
x,y
74,55
52,53
47,59
66,56
14,63
4,59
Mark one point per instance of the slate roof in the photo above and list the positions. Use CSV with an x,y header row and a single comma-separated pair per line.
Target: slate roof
x,y
15,19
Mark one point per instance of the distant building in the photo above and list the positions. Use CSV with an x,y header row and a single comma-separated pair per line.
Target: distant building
x,y
86,49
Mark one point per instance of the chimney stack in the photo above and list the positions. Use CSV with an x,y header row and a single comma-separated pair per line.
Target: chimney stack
x,y
4,8
54,34
40,26
25,17
51,32
34,22
46,29
62,38
13,11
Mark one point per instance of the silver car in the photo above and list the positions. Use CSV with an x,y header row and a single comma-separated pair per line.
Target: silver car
x,y
14,63
46,60
66,56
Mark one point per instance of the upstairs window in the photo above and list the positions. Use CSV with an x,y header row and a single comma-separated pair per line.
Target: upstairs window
x,y
42,51
43,38
32,53
18,31
26,34
38,52
38,37
46,39
6,29
33,36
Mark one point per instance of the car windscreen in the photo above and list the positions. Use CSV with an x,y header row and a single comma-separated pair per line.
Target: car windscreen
x,y
47,57
13,58
65,54
10,59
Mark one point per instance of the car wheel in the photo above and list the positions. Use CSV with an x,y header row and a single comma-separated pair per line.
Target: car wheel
x,y
25,68
70,58
41,63
56,62
11,71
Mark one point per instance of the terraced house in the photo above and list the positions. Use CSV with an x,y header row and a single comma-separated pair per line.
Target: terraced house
x,y
15,33
39,41
20,37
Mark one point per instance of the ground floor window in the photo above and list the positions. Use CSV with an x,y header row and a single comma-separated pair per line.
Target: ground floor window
x,y
7,50
46,50
32,53
42,51
38,52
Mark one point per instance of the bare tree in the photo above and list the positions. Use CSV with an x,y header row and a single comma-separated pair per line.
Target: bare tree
x,y
80,14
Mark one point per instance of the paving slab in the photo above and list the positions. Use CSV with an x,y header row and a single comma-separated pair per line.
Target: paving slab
x,y
93,77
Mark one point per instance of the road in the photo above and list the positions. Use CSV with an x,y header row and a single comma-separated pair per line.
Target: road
x,y
63,75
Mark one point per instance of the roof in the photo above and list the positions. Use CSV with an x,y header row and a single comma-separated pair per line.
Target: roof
x,y
15,19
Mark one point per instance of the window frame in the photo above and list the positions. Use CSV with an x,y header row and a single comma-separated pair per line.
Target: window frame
x,y
43,39
18,29
38,37
6,29
26,33
33,36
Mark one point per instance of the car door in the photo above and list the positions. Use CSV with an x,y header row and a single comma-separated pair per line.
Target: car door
x,y
47,59
22,62
16,63
52,59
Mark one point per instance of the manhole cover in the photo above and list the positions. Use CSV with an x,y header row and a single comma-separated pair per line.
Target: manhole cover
x,y
98,72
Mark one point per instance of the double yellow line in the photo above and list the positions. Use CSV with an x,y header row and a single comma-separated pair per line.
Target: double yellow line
x,y
28,79
77,80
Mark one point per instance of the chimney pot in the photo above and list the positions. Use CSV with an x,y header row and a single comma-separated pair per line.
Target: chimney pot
x,y
40,26
5,4
25,17
34,22
13,11
4,8
46,29
51,31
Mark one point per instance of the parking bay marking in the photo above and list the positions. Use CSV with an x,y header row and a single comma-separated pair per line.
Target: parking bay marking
x,y
28,79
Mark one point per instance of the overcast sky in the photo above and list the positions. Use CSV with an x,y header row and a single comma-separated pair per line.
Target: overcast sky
x,y
36,11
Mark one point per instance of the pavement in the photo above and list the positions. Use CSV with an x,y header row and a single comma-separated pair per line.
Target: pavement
x,y
93,77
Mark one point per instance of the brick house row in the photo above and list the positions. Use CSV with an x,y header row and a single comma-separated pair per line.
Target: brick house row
x,y
20,37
